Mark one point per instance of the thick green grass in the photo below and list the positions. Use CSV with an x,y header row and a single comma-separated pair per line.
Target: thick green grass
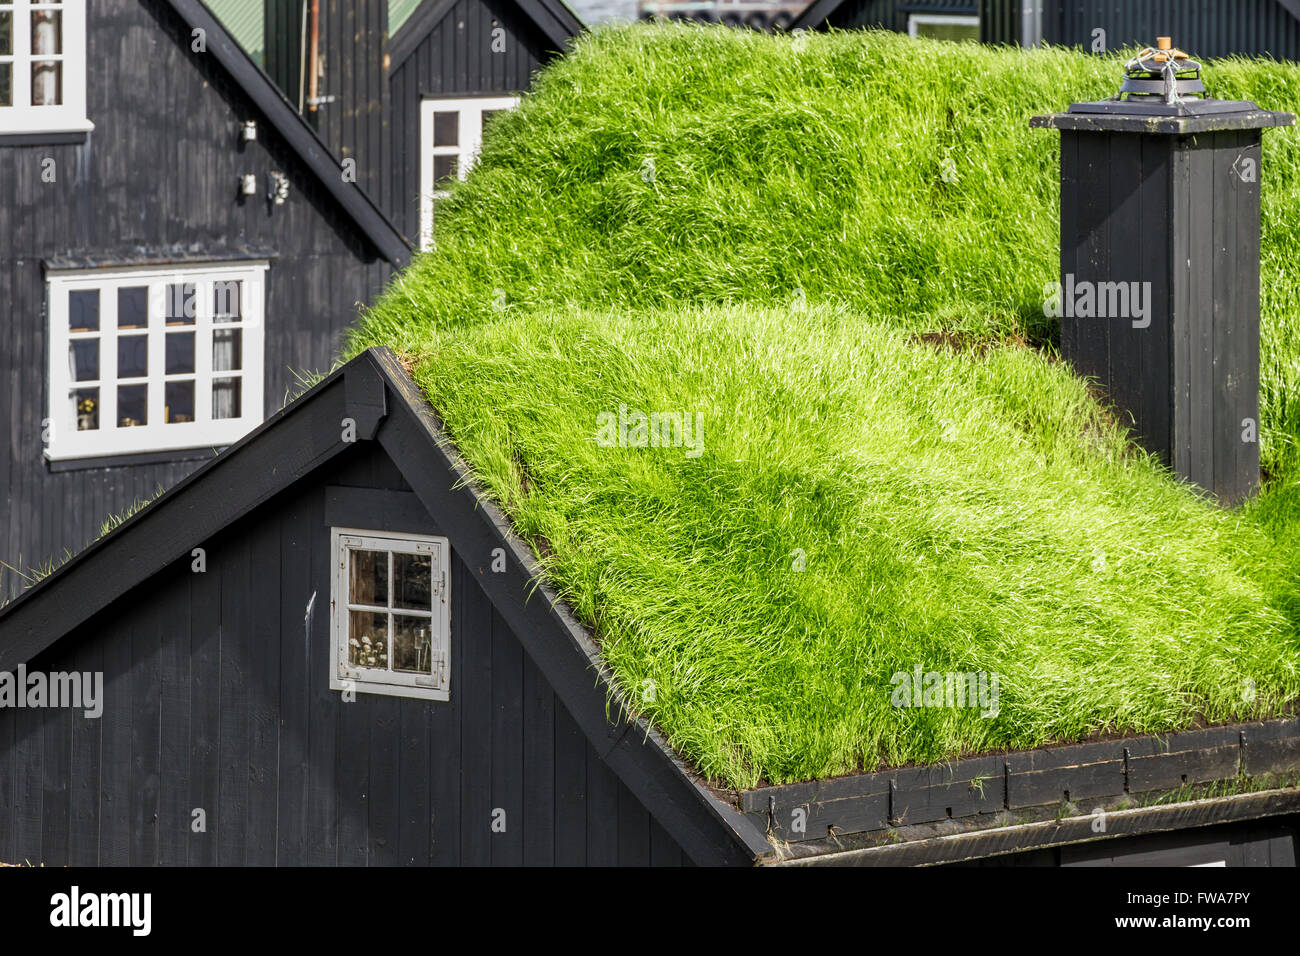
x,y
753,228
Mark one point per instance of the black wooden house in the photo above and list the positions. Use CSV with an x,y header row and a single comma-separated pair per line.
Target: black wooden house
x,y
175,243
408,109
327,647
1211,29
149,169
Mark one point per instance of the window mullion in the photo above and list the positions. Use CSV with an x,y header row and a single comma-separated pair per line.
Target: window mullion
x,y
108,355
22,45
391,628
155,330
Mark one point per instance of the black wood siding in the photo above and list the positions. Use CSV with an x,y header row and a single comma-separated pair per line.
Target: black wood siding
x,y
352,44
1203,29
159,173
454,58
217,697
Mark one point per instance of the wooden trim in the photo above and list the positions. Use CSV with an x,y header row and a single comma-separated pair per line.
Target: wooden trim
x,y
1044,777
999,841
129,461
392,510
44,139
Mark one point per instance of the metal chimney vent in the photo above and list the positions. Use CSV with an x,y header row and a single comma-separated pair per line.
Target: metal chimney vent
x,y
1162,74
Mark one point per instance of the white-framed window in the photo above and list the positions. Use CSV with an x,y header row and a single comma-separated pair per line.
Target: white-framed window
x,y
154,358
451,132
390,623
943,26
43,66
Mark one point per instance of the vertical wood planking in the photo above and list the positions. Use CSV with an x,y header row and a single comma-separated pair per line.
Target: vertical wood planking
x,y
507,742
602,812
1155,345
115,773
1248,246
539,776
570,791
205,704
232,816
295,588
1128,267
1180,205
175,820
475,649
146,723
263,672
1200,462
445,768
413,783
83,826
384,721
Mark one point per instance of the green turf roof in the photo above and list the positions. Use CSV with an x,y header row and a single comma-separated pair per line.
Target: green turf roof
x,y
759,235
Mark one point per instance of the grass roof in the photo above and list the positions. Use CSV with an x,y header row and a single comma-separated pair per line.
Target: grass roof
x,y
776,240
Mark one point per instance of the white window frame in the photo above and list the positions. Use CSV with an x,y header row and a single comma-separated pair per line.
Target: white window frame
x,y
469,138
70,115
371,680
917,20
64,441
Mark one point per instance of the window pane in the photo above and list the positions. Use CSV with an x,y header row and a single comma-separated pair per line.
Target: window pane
x,y
6,33
226,350
86,403
47,32
226,300
83,310
412,581
180,353
133,307
368,578
488,114
444,168
132,405
367,639
180,303
47,83
411,644
6,84
446,129
227,398
179,402
85,360
132,356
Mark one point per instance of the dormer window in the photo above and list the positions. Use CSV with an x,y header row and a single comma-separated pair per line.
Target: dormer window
x,y
43,67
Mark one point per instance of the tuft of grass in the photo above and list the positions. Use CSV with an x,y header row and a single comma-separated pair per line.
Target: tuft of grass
x,y
756,228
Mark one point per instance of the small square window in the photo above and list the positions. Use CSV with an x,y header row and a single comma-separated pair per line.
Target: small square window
x,y
391,624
